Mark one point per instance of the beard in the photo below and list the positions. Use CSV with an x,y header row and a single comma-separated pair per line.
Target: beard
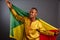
x,y
31,16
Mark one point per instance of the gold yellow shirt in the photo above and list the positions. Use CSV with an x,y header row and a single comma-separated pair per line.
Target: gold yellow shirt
x,y
32,29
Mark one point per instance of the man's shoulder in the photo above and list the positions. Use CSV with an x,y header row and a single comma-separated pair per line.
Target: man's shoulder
x,y
26,18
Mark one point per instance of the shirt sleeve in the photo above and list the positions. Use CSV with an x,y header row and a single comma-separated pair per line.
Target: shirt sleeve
x,y
44,31
18,17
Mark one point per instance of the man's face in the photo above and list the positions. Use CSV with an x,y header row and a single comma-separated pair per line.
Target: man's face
x,y
33,13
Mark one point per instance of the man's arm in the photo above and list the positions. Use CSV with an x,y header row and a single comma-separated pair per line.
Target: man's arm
x,y
20,18
8,3
44,31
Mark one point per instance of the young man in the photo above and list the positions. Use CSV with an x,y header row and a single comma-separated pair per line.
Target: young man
x,y
33,27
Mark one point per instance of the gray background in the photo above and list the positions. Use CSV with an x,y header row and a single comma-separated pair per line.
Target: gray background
x,y
48,10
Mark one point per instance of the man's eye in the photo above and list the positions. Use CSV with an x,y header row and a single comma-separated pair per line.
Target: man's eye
x,y
32,12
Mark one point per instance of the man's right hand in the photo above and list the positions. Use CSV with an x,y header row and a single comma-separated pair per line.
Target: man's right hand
x,y
8,3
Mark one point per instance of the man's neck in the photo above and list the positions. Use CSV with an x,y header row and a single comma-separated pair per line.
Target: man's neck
x,y
32,19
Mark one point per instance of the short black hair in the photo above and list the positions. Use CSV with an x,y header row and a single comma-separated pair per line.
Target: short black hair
x,y
33,8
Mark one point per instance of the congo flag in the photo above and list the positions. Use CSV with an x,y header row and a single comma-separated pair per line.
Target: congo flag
x,y
17,27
